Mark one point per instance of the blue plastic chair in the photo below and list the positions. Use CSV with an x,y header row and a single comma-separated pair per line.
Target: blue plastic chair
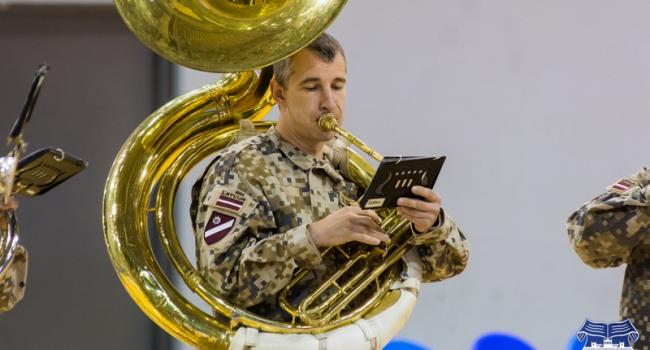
x,y
404,344
501,341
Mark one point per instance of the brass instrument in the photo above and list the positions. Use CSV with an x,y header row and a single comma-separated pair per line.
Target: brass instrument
x,y
8,223
374,267
10,250
327,122
222,35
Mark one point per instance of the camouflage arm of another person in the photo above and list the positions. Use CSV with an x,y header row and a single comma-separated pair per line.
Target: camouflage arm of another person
x,y
605,230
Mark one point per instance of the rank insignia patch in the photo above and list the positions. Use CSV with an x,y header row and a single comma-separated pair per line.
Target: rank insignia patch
x,y
218,227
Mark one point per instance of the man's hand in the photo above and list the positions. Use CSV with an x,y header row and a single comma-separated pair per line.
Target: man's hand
x,y
422,213
11,205
346,225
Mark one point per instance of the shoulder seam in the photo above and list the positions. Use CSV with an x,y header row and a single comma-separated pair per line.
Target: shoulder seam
x,y
234,151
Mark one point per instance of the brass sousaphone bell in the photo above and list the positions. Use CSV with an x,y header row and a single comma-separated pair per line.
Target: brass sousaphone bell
x,y
227,36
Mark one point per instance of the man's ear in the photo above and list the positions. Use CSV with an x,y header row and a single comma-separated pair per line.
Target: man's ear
x,y
278,92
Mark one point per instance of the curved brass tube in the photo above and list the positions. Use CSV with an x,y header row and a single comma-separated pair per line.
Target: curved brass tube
x,y
8,238
327,122
143,160
227,35
221,35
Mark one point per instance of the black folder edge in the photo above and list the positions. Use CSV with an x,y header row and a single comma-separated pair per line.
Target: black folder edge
x,y
390,200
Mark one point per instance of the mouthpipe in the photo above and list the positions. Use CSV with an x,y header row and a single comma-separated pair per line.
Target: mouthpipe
x,y
327,122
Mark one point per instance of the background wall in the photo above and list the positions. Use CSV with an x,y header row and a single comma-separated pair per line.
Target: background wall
x,y
102,83
538,106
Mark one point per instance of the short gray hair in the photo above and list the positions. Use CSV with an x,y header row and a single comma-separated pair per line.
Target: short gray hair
x,y
325,47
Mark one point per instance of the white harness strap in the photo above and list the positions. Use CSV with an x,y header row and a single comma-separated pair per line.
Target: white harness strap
x,y
250,339
369,333
322,341
362,334
410,284
412,276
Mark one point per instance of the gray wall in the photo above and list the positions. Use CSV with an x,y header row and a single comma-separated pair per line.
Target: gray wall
x,y
99,88
539,106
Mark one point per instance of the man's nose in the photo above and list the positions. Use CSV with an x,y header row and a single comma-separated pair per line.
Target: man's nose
x,y
327,103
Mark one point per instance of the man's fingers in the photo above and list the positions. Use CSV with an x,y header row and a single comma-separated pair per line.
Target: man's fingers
x,y
420,220
371,214
426,193
417,204
414,214
366,221
367,239
379,235
11,205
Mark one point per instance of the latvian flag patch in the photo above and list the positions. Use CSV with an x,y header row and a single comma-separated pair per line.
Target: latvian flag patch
x,y
218,227
622,186
230,201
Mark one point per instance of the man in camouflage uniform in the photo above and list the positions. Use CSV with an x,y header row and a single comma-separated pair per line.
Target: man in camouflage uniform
x,y
270,204
614,229
12,276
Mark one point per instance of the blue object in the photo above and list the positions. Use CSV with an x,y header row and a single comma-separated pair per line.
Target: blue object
x,y
575,344
501,341
404,344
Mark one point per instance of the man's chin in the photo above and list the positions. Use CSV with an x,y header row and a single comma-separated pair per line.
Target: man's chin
x,y
328,136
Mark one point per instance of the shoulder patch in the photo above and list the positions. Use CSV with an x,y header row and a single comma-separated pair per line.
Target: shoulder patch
x,y
226,209
218,226
621,186
228,200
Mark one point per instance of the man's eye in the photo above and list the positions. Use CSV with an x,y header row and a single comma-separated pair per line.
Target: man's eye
x,y
338,87
311,88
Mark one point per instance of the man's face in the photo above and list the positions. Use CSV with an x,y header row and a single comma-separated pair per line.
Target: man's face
x,y
314,87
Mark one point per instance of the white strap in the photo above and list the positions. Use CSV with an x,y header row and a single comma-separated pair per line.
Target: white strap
x,y
250,339
369,333
412,275
322,340
411,284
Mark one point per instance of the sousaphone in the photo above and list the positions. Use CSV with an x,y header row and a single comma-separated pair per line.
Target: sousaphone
x,y
235,36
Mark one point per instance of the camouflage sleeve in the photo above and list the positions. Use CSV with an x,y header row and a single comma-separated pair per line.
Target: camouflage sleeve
x,y
240,250
12,280
605,230
443,250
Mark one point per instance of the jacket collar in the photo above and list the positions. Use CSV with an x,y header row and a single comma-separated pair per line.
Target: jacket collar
x,y
305,161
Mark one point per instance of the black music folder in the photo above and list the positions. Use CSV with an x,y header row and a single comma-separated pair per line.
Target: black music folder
x,y
396,176
45,169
